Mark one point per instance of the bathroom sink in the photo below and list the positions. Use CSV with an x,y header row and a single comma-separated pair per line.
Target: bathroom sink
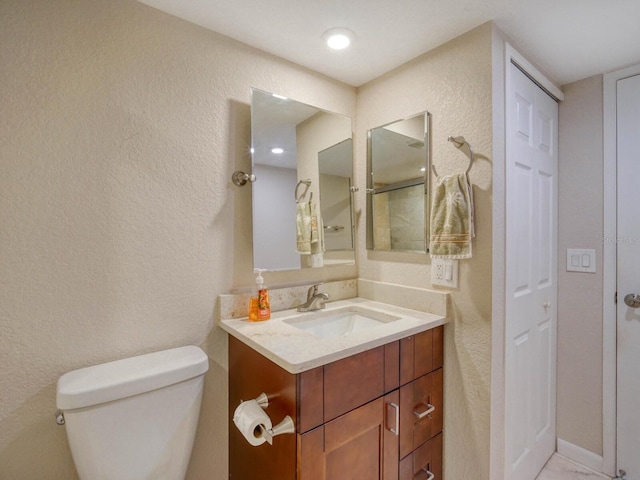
x,y
341,322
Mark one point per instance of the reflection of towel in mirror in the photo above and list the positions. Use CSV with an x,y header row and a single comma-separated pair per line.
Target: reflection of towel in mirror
x,y
452,218
317,229
303,228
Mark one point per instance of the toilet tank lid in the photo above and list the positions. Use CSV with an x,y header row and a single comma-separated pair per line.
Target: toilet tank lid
x,y
129,376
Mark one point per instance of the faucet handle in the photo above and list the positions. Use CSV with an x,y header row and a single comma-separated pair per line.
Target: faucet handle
x,y
313,290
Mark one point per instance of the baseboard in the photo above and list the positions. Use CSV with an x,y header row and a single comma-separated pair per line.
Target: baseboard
x,y
580,455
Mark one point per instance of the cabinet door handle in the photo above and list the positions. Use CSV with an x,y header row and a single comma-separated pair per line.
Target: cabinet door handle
x,y
430,409
431,476
396,409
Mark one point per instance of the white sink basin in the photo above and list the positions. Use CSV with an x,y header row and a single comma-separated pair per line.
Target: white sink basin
x,y
341,322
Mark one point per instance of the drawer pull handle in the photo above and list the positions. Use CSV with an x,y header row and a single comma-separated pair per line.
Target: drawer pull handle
x,y
396,409
430,409
431,476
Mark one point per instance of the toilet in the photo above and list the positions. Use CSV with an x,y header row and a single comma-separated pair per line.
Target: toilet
x,y
135,418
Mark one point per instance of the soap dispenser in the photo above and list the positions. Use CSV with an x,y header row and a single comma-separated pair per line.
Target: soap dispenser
x,y
259,308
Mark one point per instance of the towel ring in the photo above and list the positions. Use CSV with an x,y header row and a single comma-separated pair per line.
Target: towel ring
x,y
307,184
459,142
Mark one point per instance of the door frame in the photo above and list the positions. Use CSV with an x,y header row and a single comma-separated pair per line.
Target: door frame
x,y
609,268
504,54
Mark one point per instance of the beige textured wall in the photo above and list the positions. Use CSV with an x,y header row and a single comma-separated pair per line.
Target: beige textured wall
x,y
119,226
580,218
120,127
453,82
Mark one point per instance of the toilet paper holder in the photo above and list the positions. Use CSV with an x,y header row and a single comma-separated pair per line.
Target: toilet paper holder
x,y
285,426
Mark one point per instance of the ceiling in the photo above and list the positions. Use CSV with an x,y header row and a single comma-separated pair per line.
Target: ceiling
x,y
568,39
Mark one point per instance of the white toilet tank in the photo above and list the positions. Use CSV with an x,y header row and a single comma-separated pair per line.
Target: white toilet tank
x,y
136,418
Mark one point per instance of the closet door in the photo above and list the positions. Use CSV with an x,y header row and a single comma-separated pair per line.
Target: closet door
x,y
531,276
628,275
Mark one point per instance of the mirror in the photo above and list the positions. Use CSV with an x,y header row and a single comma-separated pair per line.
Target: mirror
x,y
302,158
397,185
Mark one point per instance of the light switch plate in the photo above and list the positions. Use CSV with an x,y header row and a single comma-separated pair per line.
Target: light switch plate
x,y
581,260
444,272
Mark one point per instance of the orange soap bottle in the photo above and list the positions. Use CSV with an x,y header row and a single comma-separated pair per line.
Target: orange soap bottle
x,y
259,307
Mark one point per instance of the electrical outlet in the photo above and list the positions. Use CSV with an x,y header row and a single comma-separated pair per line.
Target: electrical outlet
x,y
444,272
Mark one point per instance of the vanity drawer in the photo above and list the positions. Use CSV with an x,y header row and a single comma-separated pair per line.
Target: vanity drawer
x,y
421,353
327,392
421,404
353,381
425,460
356,380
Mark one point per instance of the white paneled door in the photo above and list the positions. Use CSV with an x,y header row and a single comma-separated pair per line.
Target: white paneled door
x,y
531,276
628,273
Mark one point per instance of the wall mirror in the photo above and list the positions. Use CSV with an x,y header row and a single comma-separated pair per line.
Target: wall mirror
x,y
302,158
397,185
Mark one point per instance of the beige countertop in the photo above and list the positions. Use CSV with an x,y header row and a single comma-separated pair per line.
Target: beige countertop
x,y
297,350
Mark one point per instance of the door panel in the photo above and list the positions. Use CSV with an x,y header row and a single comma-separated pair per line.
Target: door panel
x,y
531,277
628,275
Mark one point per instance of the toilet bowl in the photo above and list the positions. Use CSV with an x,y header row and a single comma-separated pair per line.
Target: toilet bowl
x,y
135,418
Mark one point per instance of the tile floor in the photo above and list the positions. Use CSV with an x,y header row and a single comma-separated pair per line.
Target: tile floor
x,y
559,468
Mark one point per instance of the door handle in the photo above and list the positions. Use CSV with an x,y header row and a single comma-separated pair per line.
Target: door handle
x,y
632,300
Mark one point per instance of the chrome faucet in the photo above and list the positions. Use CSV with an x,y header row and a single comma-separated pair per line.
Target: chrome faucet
x,y
315,300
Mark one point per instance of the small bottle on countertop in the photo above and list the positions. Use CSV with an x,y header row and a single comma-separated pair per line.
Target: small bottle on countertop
x,y
253,309
259,308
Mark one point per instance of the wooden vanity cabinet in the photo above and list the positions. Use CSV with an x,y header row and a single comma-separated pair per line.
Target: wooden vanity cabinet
x,y
356,418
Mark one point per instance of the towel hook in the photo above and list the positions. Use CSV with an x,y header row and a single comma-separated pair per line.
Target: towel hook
x,y
459,142
240,178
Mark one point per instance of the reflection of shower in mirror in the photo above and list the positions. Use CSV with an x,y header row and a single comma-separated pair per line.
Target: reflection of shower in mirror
x,y
398,194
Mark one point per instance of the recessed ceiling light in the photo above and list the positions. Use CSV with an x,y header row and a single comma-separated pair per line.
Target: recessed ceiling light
x,y
277,150
338,38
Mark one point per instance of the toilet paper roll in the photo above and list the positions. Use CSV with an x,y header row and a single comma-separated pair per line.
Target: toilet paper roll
x,y
252,420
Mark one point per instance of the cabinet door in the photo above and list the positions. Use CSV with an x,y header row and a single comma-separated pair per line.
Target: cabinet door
x,y
421,403
357,445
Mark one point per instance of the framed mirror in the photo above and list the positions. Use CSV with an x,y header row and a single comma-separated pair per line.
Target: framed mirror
x,y
398,185
302,158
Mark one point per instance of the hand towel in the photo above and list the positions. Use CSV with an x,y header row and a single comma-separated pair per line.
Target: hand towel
x,y
452,218
303,228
